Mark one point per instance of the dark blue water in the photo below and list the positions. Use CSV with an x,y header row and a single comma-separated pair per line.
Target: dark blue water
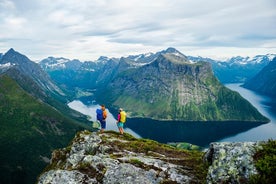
x,y
203,133
199,133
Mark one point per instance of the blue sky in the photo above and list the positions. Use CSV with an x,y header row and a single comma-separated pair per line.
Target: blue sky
x,y
88,29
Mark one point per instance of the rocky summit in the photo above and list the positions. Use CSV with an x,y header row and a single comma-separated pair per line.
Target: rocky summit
x,y
113,158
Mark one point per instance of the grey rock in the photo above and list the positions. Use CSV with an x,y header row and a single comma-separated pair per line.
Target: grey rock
x,y
231,162
64,176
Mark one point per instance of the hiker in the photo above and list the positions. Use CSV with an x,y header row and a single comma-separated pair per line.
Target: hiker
x,y
121,120
101,117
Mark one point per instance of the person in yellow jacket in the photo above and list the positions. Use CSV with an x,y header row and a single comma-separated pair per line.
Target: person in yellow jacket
x,y
121,120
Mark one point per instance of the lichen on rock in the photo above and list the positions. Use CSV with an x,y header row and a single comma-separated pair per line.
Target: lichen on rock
x,y
231,162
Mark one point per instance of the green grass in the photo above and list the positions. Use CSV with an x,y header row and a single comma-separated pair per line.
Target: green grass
x,y
186,146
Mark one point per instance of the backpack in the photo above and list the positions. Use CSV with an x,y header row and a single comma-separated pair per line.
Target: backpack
x,y
123,116
104,114
99,113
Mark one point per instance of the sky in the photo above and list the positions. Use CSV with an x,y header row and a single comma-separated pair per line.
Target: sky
x,y
88,29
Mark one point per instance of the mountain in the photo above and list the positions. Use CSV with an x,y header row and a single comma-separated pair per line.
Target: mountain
x,y
22,69
265,81
171,87
35,81
34,118
237,69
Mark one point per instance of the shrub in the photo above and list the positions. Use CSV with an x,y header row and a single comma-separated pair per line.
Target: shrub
x,y
265,162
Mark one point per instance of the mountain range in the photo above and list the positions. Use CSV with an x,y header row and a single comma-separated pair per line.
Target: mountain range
x,y
237,69
166,85
233,70
34,119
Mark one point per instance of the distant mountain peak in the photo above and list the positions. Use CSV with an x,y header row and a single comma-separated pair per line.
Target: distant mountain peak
x,y
14,57
173,51
170,50
11,50
102,58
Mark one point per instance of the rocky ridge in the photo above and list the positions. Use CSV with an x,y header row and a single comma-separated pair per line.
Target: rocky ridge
x,y
113,158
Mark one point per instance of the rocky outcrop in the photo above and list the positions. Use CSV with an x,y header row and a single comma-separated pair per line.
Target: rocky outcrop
x,y
112,158
231,162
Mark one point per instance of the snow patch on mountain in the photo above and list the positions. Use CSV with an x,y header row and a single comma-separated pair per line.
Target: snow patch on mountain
x,y
6,65
271,56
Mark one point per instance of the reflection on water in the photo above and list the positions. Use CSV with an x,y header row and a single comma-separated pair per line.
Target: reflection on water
x,y
199,133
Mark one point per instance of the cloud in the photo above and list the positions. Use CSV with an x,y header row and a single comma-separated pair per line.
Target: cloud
x,y
89,28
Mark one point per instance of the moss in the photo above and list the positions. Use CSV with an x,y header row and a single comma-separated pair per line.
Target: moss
x,y
136,162
186,146
265,162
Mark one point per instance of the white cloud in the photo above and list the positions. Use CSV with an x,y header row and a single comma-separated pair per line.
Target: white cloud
x,y
88,29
